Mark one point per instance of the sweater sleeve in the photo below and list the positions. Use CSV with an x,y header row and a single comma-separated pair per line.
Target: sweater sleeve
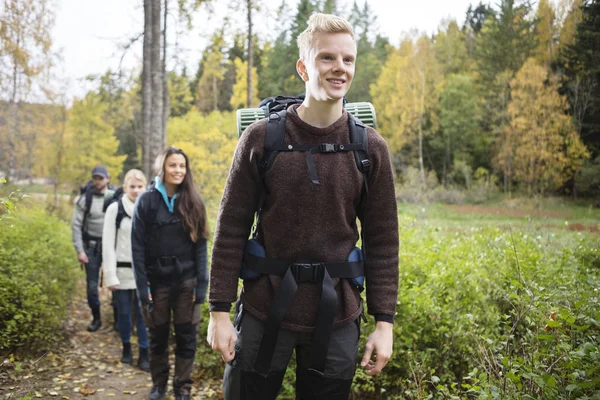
x,y
109,254
138,245
77,224
236,215
201,270
379,219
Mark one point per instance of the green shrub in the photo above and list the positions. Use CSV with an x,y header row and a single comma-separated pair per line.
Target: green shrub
x,y
487,313
475,317
37,276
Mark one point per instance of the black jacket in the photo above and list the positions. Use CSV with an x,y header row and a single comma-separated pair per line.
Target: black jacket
x,y
162,250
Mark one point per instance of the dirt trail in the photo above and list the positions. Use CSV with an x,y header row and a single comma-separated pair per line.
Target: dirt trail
x,y
86,366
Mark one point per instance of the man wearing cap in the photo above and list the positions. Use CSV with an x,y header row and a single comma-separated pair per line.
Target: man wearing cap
x,y
87,224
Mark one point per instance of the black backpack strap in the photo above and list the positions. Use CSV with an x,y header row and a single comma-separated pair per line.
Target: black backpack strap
x,y
358,136
292,273
88,197
274,143
121,213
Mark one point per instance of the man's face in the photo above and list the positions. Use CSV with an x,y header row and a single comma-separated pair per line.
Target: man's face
x,y
100,183
329,67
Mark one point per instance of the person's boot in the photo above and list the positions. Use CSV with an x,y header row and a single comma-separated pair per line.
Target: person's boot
x,y
127,357
96,322
157,393
143,361
180,396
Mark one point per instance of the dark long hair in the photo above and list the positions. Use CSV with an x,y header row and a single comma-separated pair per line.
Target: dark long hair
x,y
189,206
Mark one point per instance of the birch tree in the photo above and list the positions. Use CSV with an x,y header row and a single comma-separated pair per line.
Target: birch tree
x,y
25,54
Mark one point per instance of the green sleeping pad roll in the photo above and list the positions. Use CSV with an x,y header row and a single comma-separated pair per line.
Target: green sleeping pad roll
x,y
364,111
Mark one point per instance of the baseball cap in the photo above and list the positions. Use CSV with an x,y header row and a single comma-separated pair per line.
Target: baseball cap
x,y
100,170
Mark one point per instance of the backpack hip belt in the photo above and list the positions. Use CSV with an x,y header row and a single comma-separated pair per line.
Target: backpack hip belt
x,y
293,273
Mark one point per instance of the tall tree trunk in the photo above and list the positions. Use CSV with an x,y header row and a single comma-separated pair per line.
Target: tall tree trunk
x,y
165,113
250,55
14,117
147,90
421,113
156,135
153,113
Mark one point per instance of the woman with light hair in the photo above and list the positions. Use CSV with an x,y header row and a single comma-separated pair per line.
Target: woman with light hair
x,y
118,274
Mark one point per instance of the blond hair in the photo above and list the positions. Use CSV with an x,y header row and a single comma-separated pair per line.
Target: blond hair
x,y
319,22
134,174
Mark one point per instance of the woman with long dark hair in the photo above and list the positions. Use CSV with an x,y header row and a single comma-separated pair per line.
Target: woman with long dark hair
x,y
169,247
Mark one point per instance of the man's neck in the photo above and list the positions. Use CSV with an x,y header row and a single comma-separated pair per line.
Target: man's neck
x,y
101,191
320,114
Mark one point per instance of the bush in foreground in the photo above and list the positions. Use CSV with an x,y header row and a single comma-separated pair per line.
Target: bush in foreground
x,y
37,277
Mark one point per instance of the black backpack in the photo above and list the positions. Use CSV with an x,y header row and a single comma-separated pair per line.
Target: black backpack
x,y
276,110
86,192
121,213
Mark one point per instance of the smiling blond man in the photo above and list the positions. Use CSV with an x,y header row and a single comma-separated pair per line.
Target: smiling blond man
x,y
302,272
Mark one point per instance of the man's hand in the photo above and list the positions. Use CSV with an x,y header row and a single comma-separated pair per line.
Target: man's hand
x,y
222,336
378,348
113,288
82,257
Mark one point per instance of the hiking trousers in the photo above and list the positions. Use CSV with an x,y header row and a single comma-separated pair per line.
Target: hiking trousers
x,y
240,382
176,299
92,275
126,298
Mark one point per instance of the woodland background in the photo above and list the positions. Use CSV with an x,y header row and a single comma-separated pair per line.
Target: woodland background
x,y
506,99
493,123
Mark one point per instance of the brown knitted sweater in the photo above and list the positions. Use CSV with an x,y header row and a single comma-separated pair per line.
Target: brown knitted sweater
x,y
302,221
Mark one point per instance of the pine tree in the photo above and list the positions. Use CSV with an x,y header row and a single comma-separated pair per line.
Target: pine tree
x,y
581,81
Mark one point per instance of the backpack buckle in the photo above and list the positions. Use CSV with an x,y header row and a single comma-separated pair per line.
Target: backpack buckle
x,y
327,148
307,272
365,164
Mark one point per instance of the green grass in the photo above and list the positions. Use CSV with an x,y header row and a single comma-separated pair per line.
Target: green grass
x,y
555,214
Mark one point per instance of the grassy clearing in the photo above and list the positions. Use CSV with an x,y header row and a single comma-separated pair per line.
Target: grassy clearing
x,y
495,301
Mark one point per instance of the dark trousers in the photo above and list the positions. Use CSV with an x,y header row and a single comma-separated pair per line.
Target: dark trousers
x,y
92,275
176,299
125,300
241,382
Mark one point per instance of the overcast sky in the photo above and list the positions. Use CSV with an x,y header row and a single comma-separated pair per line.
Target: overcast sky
x,y
90,33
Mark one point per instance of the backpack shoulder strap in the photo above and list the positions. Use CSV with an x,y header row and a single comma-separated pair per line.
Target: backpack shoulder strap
x,y
154,203
274,139
274,143
121,213
89,196
358,135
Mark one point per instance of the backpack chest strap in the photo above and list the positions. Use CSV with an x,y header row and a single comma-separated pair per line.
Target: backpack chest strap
x,y
311,149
